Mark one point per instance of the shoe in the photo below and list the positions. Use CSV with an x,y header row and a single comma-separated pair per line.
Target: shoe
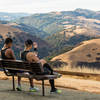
x,y
19,88
55,91
26,73
58,75
34,89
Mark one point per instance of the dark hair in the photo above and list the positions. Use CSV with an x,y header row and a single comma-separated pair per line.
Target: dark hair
x,y
28,42
8,40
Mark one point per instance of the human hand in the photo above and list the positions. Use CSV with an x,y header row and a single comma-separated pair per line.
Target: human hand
x,y
35,45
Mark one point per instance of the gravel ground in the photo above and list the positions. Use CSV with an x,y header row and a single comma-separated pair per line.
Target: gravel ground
x,y
7,94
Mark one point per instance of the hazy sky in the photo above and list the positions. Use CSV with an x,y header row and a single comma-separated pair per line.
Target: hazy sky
x,y
38,6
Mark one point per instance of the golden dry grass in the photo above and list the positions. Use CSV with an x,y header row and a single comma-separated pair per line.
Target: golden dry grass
x,y
78,69
80,54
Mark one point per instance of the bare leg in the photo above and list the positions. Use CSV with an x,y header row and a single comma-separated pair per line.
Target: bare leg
x,y
43,61
19,84
19,81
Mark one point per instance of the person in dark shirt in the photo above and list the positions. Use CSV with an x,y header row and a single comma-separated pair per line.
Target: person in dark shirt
x,y
7,52
27,55
23,58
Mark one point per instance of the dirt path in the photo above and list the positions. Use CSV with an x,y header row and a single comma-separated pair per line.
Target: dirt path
x,y
79,84
69,82
67,94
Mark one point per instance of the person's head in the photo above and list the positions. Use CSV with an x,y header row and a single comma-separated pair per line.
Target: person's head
x,y
8,42
29,44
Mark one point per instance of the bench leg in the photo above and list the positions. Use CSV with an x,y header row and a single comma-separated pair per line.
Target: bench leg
x,y
13,82
43,88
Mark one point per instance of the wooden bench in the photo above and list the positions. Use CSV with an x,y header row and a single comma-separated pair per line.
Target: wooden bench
x,y
35,68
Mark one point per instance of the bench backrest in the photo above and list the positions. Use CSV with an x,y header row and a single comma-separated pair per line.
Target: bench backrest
x,y
21,65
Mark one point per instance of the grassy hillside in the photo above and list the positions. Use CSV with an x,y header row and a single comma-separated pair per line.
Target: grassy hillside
x,y
54,22
65,29
26,28
29,29
83,57
62,30
65,41
19,38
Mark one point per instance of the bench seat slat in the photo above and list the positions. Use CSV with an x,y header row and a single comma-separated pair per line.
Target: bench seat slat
x,y
28,67
38,77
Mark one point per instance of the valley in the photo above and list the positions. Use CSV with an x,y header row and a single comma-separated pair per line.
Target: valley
x,y
57,33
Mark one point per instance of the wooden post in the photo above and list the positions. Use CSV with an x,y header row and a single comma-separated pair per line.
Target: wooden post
x,y
43,88
13,82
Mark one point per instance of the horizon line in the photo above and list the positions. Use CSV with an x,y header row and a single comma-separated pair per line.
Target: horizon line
x,y
48,11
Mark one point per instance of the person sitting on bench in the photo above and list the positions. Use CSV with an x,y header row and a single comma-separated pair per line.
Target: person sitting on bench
x,y
7,52
32,88
27,55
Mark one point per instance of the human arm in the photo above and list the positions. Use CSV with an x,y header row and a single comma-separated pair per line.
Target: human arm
x,y
35,45
31,57
10,54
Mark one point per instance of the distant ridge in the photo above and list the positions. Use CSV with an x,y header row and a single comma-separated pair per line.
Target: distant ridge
x,y
54,22
5,16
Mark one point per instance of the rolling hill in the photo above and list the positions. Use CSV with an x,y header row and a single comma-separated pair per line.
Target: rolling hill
x,y
85,55
26,28
19,37
12,16
62,30
55,22
66,28
29,29
66,40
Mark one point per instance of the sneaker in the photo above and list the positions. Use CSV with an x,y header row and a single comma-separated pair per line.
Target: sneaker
x,y
35,89
26,73
58,74
55,91
19,88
